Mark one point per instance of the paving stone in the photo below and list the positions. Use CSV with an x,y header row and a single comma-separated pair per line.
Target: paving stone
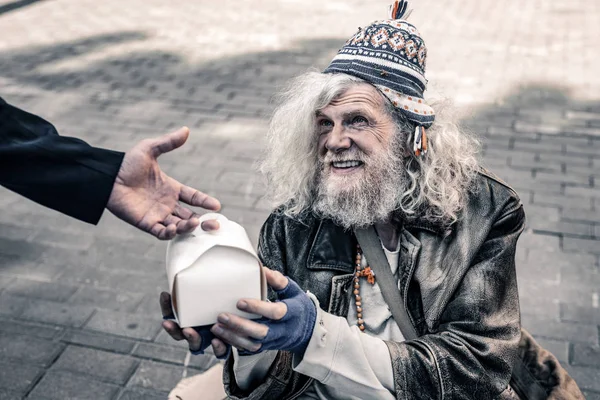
x,y
134,262
164,338
559,348
142,394
36,351
564,228
36,270
17,377
563,178
591,395
565,262
21,248
107,299
579,244
10,395
157,376
552,329
584,354
99,341
11,264
536,299
568,160
5,281
537,167
585,275
585,150
41,290
584,191
157,352
149,305
101,365
578,214
560,200
175,353
582,115
114,246
583,295
15,232
13,305
60,385
57,313
204,362
584,171
539,146
531,240
52,237
29,329
586,378
119,278
124,324
589,314
522,126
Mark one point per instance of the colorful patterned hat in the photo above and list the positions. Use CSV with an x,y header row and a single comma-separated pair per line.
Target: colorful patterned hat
x,y
390,54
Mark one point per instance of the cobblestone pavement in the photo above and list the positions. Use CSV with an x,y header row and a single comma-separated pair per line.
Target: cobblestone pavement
x,y
78,304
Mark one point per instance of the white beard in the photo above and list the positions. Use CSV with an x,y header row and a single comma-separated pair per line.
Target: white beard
x,y
365,197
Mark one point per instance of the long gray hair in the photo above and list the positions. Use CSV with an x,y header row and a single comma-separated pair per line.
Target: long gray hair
x,y
437,183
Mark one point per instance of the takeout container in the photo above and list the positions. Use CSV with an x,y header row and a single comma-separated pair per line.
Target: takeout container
x,y
209,272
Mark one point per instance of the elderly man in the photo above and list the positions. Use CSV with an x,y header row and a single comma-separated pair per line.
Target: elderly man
x,y
358,146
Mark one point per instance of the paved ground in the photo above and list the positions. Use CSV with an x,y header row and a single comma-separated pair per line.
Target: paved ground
x,y
78,304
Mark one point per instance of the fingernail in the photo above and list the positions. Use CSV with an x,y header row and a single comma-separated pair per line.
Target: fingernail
x,y
217,330
223,318
242,305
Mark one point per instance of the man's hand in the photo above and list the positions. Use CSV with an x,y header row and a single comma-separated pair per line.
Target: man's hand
x,y
198,338
287,324
148,199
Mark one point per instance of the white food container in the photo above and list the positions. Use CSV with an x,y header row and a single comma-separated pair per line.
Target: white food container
x,y
209,272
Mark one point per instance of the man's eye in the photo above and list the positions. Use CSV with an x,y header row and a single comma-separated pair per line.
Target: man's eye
x,y
359,119
325,123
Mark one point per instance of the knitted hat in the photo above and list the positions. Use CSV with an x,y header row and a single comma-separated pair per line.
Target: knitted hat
x,y
390,54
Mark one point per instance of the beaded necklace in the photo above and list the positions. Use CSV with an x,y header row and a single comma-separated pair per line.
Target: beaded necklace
x,y
361,272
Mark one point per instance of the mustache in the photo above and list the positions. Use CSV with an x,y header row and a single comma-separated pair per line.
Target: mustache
x,y
345,156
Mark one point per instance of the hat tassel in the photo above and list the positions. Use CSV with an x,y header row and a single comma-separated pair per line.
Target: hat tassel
x,y
399,9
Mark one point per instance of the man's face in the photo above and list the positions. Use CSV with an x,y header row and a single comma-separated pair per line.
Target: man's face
x,y
360,179
353,129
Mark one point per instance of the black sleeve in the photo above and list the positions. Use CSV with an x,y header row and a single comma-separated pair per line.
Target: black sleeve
x,y
62,173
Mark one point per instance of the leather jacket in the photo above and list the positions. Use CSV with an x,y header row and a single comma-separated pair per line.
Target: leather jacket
x,y
458,284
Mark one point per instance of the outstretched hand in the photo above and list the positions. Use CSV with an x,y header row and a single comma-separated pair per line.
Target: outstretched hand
x,y
144,196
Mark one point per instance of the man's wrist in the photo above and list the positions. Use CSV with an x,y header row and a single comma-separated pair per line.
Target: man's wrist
x,y
309,326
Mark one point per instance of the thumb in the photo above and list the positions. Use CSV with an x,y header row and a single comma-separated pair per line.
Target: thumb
x,y
275,279
170,141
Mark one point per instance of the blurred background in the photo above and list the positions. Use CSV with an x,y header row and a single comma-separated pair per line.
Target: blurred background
x,y
79,315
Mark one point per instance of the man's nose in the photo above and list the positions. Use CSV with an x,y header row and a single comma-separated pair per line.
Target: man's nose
x,y
338,140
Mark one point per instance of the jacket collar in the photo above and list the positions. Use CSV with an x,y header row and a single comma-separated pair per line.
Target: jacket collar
x,y
333,247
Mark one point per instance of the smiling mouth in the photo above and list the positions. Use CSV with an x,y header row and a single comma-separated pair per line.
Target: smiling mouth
x,y
346,164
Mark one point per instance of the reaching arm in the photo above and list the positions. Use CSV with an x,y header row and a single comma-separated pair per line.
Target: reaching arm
x,y
62,173
70,176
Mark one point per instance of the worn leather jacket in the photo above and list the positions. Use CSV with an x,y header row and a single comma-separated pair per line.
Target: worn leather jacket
x,y
458,284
